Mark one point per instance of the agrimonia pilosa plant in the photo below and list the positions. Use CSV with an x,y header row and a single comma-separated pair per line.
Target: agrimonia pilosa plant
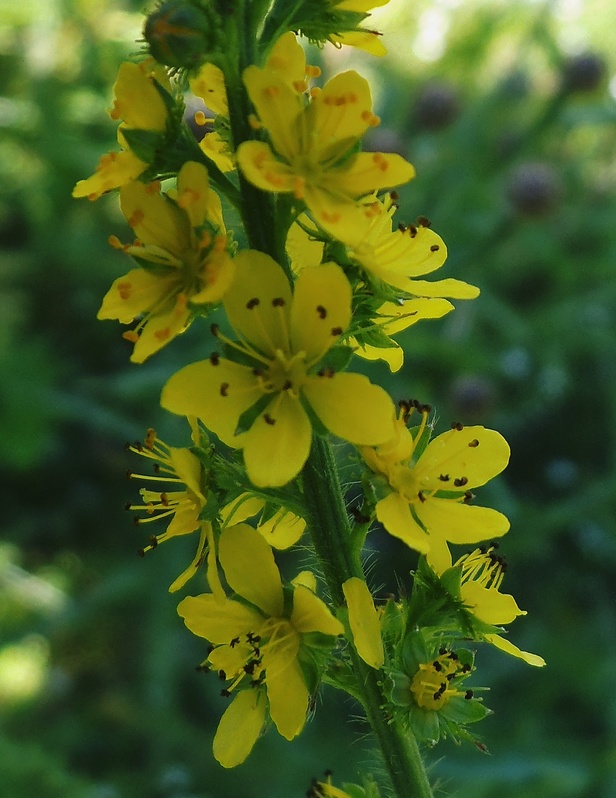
x,y
310,276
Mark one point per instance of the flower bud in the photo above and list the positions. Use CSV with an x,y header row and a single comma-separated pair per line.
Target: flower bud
x,y
437,106
533,189
584,72
180,34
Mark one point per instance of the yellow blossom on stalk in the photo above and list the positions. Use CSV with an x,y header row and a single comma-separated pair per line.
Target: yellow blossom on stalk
x,y
139,104
325,789
182,246
313,140
426,502
259,404
258,643
482,573
281,530
178,497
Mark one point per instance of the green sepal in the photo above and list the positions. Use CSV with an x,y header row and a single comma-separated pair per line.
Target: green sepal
x,y
248,417
146,144
337,358
340,674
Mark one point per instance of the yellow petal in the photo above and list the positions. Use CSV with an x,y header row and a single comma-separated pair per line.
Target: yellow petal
x,y
489,605
510,648
259,301
288,699
209,84
394,317
287,59
460,523
321,310
154,219
135,293
278,443
217,275
261,167
187,466
364,40
193,191
472,455
351,407
310,614
250,569
301,248
137,100
339,116
307,579
239,728
454,289
245,506
283,529
369,171
160,329
218,621
394,513
217,394
364,622
393,355
114,169
278,106
192,568
217,149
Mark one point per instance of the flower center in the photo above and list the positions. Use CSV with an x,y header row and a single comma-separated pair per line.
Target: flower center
x,y
431,686
285,373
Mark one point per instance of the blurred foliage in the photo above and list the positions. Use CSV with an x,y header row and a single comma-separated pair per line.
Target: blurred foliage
x,y
510,123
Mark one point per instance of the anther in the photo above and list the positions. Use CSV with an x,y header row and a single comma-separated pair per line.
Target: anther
x,y
336,331
460,482
225,693
444,477
423,221
252,303
421,497
468,695
214,329
468,497
278,302
214,358
268,419
224,389
457,426
474,443
434,248
321,311
222,675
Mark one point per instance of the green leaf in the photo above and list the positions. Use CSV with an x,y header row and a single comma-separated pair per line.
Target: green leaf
x,y
144,143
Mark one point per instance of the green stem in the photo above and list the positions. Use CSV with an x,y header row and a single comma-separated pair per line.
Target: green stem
x,y
332,540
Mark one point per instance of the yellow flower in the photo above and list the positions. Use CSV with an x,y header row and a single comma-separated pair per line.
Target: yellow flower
x,y
180,469
364,622
325,789
140,106
183,248
426,501
482,573
258,642
281,530
283,339
313,140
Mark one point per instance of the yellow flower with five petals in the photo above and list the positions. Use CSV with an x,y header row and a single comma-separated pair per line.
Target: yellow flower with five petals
x,y
182,245
313,141
426,501
258,643
264,404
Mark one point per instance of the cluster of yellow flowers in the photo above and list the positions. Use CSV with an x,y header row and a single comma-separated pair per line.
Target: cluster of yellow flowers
x,y
337,280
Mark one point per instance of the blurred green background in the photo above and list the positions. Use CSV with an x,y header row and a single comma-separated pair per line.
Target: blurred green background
x,y
507,111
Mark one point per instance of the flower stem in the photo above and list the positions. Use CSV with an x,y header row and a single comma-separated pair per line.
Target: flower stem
x,y
332,541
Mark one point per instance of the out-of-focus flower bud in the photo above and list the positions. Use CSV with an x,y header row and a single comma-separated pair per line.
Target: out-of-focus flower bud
x,y
472,398
437,106
584,72
180,34
533,189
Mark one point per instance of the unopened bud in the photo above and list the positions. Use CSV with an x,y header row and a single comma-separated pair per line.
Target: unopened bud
x,y
180,34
